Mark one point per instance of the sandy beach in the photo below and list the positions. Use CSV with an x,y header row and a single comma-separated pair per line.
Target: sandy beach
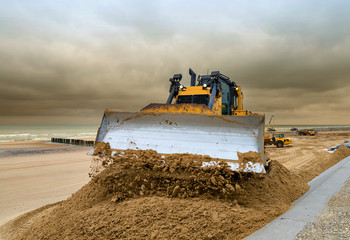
x,y
52,172
36,173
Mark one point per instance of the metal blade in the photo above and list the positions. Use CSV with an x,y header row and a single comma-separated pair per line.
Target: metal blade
x,y
217,136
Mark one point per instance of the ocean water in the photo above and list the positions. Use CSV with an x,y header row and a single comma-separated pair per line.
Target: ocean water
x,y
9,133
286,128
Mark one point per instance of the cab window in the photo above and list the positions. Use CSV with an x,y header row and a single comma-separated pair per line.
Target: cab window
x,y
225,99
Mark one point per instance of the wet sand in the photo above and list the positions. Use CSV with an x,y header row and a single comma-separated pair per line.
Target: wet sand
x,y
29,145
36,173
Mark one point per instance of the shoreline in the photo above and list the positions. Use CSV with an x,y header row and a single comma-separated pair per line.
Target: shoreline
x,y
36,147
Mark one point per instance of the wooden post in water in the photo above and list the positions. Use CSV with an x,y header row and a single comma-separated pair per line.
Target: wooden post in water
x,y
79,142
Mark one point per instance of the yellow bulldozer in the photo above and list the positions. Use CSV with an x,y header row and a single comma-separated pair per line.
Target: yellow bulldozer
x,y
205,118
277,139
310,132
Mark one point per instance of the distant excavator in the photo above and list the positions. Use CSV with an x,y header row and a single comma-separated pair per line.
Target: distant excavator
x,y
277,139
270,127
206,118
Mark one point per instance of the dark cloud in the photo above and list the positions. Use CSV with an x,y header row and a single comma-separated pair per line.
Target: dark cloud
x,y
315,22
66,62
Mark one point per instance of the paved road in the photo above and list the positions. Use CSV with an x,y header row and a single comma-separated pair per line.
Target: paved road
x,y
305,209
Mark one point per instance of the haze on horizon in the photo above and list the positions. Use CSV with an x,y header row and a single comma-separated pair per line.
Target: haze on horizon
x,y
64,62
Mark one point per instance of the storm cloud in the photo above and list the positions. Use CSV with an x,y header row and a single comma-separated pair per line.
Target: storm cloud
x,y
64,62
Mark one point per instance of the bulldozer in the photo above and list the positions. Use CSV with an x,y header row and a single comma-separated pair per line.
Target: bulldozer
x,y
310,132
277,139
205,118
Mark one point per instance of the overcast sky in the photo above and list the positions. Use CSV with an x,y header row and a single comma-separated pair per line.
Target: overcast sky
x,y
64,62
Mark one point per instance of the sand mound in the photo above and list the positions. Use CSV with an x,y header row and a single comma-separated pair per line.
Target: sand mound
x,y
341,153
142,195
312,170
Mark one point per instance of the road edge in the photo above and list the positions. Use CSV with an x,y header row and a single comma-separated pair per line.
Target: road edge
x,y
305,209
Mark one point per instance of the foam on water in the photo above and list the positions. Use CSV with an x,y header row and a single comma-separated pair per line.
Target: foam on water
x,y
9,133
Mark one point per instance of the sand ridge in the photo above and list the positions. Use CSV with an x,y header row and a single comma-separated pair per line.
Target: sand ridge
x,y
142,194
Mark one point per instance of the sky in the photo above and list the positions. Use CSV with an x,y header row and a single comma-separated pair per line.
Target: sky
x,y
65,62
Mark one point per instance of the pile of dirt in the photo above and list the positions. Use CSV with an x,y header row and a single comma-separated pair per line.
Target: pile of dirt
x,y
341,153
253,157
20,224
311,171
142,194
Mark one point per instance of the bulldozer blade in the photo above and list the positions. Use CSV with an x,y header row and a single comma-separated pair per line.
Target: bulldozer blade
x,y
219,137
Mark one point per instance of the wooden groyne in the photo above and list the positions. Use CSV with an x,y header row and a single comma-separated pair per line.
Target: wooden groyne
x,y
79,142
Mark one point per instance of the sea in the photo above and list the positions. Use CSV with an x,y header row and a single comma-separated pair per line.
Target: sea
x,y
9,133
287,128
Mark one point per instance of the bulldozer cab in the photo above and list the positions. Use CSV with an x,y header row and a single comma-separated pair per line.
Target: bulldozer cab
x,y
279,135
227,103
216,91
